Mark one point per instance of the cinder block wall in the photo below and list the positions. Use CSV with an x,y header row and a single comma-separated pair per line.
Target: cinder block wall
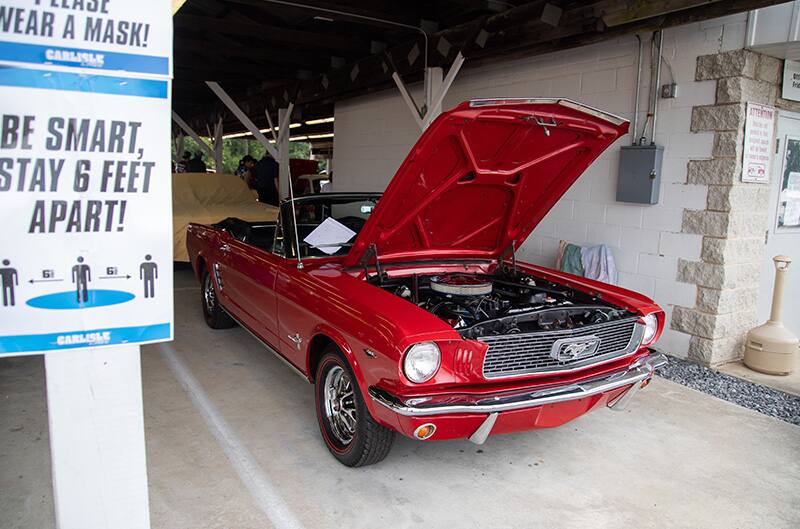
x,y
373,134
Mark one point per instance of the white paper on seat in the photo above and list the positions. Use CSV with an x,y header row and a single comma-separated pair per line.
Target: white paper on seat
x,y
328,235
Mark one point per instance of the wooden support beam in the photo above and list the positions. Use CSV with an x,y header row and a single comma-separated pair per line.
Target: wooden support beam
x,y
283,126
196,137
246,121
284,171
435,105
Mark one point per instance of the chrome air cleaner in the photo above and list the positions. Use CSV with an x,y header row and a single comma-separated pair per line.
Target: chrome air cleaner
x,y
461,285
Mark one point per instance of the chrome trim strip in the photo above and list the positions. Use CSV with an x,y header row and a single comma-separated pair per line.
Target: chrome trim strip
x,y
267,346
563,101
640,370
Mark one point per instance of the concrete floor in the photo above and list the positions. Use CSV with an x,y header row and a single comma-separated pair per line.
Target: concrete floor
x,y
787,383
677,458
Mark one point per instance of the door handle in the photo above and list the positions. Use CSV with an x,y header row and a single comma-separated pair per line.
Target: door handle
x,y
225,248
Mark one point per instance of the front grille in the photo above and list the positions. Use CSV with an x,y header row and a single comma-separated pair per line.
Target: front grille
x,y
526,353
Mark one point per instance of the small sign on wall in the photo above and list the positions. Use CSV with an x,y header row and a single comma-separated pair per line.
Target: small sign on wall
x,y
759,132
791,80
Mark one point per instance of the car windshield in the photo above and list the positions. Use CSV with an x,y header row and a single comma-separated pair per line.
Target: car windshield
x,y
327,225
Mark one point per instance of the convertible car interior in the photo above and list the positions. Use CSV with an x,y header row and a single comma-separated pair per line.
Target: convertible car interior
x,y
348,210
258,234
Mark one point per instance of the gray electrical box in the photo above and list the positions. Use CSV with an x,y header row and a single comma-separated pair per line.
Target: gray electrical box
x,y
639,178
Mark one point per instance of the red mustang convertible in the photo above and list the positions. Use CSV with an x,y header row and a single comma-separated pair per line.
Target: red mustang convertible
x,y
408,311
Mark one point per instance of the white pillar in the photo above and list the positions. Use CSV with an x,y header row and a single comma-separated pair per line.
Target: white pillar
x,y
433,83
283,152
434,91
94,404
218,145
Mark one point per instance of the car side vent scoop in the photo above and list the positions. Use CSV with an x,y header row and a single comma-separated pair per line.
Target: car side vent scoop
x,y
461,285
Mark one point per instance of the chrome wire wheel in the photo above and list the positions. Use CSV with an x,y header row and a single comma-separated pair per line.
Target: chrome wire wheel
x,y
340,405
209,295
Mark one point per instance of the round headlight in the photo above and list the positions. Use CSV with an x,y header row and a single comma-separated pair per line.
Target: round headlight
x,y
650,328
422,362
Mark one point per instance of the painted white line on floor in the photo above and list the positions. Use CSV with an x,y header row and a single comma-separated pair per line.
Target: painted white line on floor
x,y
250,472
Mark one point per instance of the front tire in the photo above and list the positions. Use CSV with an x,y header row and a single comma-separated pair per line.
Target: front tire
x,y
215,316
348,429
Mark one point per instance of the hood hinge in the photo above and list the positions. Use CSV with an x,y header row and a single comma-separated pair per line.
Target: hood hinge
x,y
372,252
509,252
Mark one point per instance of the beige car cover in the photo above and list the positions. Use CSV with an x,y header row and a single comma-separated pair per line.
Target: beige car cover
x,y
207,198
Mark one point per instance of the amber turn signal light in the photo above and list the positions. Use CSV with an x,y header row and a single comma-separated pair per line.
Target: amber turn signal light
x,y
425,431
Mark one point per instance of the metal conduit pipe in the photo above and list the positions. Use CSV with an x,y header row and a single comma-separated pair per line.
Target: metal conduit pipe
x,y
634,128
654,88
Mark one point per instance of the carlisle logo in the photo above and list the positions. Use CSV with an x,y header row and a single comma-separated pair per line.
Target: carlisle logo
x,y
87,338
78,58
571,349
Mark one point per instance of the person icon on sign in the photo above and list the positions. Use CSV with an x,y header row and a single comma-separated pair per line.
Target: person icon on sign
x,y
8,280
81,275
148,271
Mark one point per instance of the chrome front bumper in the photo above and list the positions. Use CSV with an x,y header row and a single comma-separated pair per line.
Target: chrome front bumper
x,y
642,369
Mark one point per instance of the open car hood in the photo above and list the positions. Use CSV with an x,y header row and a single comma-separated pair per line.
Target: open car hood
x,y
482,176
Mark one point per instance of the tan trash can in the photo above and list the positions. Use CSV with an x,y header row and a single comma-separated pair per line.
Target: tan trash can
x,y
772,348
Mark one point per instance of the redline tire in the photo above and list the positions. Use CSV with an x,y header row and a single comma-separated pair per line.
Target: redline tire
x,y
215,316
370,442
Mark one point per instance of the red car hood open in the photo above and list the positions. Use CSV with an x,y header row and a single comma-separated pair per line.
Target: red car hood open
x,y
482,176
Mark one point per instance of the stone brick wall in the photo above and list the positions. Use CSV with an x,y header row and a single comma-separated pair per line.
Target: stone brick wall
x,y
734,220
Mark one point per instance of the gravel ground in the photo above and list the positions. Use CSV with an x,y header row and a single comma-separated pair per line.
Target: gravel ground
x,y
760,398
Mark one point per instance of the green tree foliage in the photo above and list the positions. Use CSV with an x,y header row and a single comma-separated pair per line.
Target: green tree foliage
x,y
234,149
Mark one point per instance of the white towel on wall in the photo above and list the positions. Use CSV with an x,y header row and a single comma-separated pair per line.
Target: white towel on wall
x,y
598,263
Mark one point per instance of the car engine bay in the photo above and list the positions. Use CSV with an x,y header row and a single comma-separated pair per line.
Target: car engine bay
x,y
503,302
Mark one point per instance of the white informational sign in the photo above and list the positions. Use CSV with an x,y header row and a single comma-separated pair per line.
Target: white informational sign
x,y
759,132
791,80
85,174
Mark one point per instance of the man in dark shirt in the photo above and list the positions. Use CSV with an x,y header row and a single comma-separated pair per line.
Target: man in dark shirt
x,y
196,164
267,180
183,165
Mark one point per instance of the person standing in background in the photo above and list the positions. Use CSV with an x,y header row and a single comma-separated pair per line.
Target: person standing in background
x,y
196,164
266,171
183,165
248,171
